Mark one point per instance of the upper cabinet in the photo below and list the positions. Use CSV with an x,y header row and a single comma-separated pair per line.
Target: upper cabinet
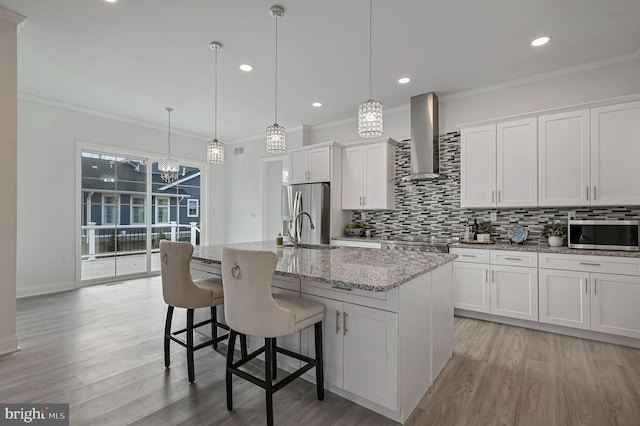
x,y
563,159
308,165
368,172
499,165
590,157
615,154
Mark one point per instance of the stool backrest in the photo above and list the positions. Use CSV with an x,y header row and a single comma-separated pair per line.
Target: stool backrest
x,y
178,288
249,307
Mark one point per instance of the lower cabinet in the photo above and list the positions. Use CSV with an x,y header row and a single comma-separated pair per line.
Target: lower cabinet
x,y
360,350
471,289
607,303
514,292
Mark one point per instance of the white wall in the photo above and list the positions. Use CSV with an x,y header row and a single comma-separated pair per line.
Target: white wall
x,y
588,83
47,210
8,180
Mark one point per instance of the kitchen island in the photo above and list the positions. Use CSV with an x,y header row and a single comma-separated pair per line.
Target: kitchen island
x,y
388,327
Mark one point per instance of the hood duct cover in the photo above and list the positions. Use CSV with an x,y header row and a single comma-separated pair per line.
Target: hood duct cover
x,y
425,145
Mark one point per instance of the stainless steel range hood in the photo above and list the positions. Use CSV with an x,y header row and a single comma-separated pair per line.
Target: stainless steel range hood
x,y
425,146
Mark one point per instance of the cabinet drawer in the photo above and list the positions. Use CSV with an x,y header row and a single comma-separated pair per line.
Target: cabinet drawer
x,y
602,264
514,258
471,255
386,300
283,281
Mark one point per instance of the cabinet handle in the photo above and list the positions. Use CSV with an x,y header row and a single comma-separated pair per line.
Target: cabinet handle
x,y
512,258
594,193
587,193
499,195
337,322
586,288
344,323
589,264
486,275
493,278
468,255
595,286
360,200
364,201
493,196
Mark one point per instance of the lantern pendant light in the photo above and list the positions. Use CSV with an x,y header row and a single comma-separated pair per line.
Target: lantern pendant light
x,y
370,111
276,134
215,148
167,166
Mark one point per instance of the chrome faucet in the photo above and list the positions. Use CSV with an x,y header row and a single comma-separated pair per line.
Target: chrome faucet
x,y
295,240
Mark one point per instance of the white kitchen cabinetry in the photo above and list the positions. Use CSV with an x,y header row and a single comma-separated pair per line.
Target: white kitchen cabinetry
x,y
563,136
498,165
309,165
487,281
368,172
356,243
615,304
565,298
615,150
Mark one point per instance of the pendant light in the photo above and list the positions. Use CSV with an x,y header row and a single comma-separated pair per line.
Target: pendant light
x,y
215,148
370,111
168,167
276,134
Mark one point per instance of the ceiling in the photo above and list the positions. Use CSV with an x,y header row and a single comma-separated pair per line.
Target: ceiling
x,y
135,57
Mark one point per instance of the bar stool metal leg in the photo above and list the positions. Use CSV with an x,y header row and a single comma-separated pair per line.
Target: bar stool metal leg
x,y
229,376
214,326
274,360
190,366
317,331
167,336
268,355
243,345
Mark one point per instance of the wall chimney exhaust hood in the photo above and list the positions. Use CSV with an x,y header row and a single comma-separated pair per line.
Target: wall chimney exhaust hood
x,y
425,146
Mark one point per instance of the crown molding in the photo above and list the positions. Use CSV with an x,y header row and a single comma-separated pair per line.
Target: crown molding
x,y
9,16
602,63
89,111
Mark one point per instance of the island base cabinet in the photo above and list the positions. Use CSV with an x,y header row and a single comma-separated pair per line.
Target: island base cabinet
x,y
565,298
360,350
514,292
615,304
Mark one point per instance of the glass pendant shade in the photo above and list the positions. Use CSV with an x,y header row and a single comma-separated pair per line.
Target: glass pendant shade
x,y
215,152
370,119
276,139
168,169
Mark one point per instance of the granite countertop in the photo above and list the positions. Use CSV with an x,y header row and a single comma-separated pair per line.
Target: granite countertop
x,y
345,267
360,239
543,247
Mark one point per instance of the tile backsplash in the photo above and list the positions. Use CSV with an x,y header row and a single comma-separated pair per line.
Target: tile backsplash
x,y
432,207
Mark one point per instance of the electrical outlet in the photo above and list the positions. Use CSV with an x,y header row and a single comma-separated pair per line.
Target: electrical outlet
x,y
493,216
363,216
571,214
66,259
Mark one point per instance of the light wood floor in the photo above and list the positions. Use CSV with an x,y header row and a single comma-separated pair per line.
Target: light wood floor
x,y
100,350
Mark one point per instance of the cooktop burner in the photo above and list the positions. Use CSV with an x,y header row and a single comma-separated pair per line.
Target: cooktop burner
x,y
429,243
428,239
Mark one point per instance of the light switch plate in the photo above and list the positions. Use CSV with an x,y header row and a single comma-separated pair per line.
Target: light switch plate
x,y
493,216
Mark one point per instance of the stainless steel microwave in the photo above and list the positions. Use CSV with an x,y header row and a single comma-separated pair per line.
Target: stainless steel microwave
x,y
604,234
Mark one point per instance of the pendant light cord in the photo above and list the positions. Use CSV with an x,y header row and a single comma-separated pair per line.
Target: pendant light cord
x,y
215,100
276,85
370,46
169,135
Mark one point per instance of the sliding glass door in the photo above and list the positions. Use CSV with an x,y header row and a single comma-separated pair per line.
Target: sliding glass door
x,y
127,209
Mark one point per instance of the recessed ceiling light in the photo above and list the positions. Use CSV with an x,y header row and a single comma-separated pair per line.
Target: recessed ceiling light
x,y
404,80
246,67
540,41
317,104
111,1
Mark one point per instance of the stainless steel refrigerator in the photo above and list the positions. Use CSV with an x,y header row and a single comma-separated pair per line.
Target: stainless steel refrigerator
x,y
314,199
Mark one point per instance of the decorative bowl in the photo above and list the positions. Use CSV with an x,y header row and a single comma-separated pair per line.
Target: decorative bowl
x,y
354,232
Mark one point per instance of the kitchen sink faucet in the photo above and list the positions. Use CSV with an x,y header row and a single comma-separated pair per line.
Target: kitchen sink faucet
x,y
295,240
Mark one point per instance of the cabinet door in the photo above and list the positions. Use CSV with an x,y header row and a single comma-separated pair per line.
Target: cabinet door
x,y
352,176
371,354
565,298
478,167
615,304
563,159
615,150
471,286
514,292
332,342
517,163
375,188
298,166
320,164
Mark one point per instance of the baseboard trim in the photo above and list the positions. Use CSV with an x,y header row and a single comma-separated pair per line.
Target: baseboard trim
x,y
8,346
40,289
551,328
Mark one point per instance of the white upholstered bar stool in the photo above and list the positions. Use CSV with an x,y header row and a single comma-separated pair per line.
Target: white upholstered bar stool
x,y
180,291
251,309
